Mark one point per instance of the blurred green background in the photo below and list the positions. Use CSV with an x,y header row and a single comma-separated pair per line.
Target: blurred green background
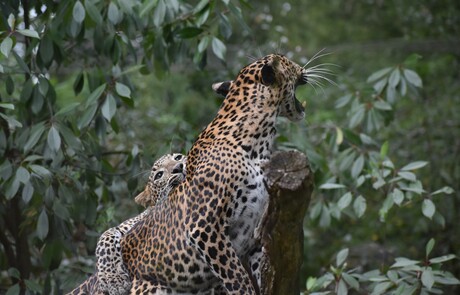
x,y
94,91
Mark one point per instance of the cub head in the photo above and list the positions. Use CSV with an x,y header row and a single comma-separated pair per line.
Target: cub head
x,y
167,172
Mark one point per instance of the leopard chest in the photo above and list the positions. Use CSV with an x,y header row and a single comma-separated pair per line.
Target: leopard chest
x,y
248,206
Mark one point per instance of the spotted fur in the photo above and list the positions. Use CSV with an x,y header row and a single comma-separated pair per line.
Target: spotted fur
x,y
202,235
111,276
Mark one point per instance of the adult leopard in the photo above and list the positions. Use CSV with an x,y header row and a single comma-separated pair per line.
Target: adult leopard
x,y
111,276
198,237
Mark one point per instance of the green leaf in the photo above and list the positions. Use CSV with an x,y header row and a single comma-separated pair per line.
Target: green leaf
x,y
378,75
442,258
60,210
33,286
200,6
342,288
357,116
395,76
34,137
22,175
403,262
341,257
429,247
13,290
316,210
40,171
159,14
123,90
413,78
359,206
339,135
398,196
331,186
27,192
54,140
414,166
325,219
109,108
446,190
93,12
9,106
68,108
225,29
428,278
46,49
351,281
14,273
407,175
344,201
380,288
382,105
357,166
113,13
384,149
87,116
78,83
93,97
204,43
218,48
11,21
428,208
380,85
189,32
21,63
42,225
29,33
343,101
6,46
78,12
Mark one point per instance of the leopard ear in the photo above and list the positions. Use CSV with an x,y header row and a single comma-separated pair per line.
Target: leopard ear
x,y
268,75
222,88
142,198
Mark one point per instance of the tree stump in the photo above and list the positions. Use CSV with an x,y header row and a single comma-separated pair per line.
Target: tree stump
x,y
290,183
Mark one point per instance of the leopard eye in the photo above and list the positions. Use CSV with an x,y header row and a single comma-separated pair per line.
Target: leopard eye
x,y
158,175
178,158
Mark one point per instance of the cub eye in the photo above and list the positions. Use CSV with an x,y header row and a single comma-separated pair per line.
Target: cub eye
x,y
158,175
178,158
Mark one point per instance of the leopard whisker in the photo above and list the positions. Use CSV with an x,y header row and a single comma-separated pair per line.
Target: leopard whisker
x,y
324,78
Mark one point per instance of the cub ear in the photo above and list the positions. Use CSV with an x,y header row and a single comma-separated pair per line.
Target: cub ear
x,y
268,75
143,198
222,88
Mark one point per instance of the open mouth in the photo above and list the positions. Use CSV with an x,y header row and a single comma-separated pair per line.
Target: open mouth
x,y
298,106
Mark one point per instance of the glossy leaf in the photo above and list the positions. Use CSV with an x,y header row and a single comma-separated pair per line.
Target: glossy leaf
x,y
159,14
429,247
123,90
394,78
109,108
378,75
42,225
442,259
113,13
29,33
189,32
35,134
427,278
359,206
6,46
357,166
414,166
218,48
413,78
331,186
94,13
54,140
341,257
428,208
78,12
345,201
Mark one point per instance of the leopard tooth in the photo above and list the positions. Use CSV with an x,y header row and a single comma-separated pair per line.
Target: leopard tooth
x,y
304,104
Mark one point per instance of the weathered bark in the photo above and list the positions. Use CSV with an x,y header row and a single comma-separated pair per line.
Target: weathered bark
x,y
290,184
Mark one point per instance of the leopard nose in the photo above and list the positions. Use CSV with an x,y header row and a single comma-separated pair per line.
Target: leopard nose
x,y
178,168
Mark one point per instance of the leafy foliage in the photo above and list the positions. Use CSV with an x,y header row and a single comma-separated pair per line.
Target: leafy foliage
x,y
94,90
